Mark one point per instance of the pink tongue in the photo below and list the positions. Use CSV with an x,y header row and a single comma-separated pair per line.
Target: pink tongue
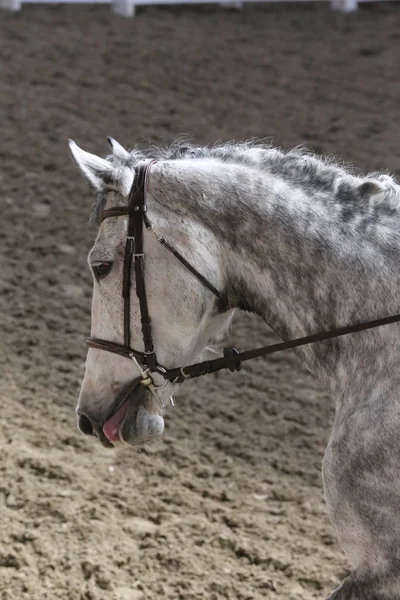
x,y
110,428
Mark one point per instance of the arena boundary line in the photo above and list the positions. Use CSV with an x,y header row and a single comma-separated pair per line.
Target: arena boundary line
x,y
126,8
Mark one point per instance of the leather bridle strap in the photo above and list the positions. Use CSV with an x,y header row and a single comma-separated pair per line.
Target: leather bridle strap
x,y
137,209
113,347
186,264
133,253
232,359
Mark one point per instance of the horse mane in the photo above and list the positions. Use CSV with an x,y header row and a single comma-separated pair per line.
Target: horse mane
x,y
300,167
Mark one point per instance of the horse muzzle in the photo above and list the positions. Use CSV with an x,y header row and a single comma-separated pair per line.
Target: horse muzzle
x,y
133,417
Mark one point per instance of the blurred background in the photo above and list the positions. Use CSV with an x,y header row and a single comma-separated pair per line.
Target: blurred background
x,y
230,504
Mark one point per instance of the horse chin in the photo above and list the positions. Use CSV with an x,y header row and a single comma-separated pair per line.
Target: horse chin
x,y
142,423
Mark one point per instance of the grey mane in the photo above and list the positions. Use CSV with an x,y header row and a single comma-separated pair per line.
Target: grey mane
x,y
299,167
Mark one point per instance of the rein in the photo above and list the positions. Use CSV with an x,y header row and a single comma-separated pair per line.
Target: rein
x,y
147,361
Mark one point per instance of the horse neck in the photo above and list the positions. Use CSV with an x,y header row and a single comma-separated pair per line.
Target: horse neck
x,y
291,255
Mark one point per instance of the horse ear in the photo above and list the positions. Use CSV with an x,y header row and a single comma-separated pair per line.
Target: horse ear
x,y
97,170
118,150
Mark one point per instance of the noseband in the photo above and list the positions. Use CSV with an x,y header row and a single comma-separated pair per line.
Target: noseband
x,y
146,361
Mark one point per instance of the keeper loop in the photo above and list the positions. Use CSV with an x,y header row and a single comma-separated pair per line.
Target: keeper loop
x,y
232,357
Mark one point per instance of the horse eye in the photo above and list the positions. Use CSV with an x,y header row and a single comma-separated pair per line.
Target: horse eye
x,y
101,270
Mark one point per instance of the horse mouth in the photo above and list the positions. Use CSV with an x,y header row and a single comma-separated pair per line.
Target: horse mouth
x,y
111,427
136,421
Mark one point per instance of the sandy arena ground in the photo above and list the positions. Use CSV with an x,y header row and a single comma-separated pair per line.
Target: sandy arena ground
x,y
230,504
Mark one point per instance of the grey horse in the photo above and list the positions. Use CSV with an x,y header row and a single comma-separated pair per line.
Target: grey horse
x,y
308,246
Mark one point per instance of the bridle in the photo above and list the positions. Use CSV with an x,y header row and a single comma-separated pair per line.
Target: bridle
x,y
146,361
137,219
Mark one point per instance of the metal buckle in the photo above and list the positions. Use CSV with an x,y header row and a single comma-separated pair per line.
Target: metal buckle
x,y
144,374
158,236
160,370
183,374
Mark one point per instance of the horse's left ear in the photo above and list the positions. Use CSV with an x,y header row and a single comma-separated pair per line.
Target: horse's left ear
x,y
98,171
118,150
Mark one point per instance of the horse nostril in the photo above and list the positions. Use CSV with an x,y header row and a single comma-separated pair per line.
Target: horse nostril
x,y
85,425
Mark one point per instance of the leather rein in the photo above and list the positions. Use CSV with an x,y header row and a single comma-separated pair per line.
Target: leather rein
x,y
146,361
